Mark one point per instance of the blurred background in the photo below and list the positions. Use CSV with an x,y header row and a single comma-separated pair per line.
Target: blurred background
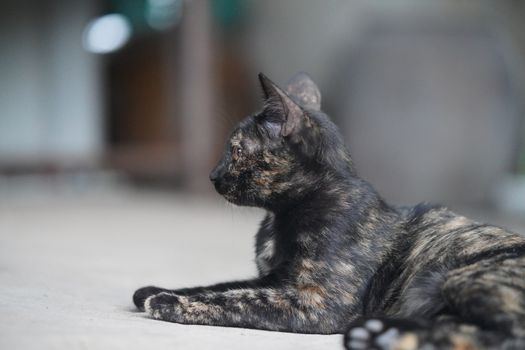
x,y
429,94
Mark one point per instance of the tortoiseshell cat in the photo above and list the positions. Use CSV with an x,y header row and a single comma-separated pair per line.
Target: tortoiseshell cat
x,y
333,257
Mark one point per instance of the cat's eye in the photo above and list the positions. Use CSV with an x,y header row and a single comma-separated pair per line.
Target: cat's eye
x,y
237,152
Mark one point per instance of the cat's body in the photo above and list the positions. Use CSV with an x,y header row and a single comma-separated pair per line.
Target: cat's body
x,y
330,252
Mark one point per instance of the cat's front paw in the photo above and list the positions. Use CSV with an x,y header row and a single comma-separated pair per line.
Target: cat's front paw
x,y
383,334
141,294
164,306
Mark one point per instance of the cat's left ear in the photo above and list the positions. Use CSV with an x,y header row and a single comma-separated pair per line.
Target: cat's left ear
x,y
289,113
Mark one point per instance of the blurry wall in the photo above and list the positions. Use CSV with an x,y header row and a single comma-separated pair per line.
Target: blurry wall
x,y
51,99
431,112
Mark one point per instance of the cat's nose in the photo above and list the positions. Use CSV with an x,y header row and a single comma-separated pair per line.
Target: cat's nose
x,y
214,175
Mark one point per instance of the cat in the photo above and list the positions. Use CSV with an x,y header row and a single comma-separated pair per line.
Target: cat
x,y
334,257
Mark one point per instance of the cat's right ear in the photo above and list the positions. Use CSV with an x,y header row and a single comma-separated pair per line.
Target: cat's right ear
x,y
280,110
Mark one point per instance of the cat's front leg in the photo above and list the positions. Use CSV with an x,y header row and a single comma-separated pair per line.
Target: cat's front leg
x,y
277,309
141,294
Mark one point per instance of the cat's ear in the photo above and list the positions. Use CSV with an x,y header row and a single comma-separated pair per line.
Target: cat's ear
x,y
289,113
303,90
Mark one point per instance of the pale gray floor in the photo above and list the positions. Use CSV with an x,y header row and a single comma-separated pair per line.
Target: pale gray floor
x,y
69,265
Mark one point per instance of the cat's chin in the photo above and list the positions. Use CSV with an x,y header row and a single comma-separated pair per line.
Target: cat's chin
x,y
231,199
238,201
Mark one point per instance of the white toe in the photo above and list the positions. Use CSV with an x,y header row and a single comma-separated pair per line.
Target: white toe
x,y
374,325
359,333
386,339
357,344
147,306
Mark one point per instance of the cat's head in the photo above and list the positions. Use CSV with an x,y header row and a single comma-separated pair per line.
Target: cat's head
x,y
283,151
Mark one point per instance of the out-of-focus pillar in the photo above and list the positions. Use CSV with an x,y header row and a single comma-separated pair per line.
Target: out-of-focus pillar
x,y
197,95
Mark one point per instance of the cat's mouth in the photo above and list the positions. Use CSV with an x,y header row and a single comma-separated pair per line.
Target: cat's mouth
x,y
230,198
233,197
230,191
221,188
225,191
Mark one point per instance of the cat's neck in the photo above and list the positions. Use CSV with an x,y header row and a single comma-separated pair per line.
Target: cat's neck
x,y
331,194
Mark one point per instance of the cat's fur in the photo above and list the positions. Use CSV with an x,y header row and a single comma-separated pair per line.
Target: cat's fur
x,y
331,252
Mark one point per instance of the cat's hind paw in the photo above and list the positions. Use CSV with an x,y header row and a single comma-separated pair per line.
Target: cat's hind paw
x,y
382,334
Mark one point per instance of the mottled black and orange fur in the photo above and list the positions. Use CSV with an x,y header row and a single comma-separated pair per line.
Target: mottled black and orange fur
x,y
331,252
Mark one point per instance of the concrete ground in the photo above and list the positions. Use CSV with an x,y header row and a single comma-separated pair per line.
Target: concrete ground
x,y
70,262
69,265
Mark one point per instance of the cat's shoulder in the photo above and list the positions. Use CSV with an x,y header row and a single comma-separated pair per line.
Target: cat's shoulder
x,y
423,210
430,214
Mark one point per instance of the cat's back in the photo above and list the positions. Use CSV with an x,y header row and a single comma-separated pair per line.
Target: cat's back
x,y
440,235
436,242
